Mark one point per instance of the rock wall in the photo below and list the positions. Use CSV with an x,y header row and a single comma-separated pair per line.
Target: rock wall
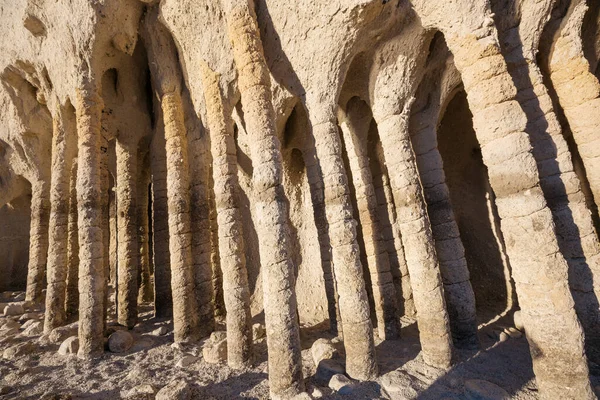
x,y
346,165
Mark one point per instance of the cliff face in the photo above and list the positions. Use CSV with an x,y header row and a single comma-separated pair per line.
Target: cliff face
x,y
348,165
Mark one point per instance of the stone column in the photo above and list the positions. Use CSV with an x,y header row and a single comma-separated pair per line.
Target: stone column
x,y
283,338
145,292
315,181
127,232
72,291
577,237
163,300
539,269
458,292
395,248
185,310
162,57
200,214
215,259
105,219
355,132
352,295
62,156
578,91
112,217
417,240
236,293
91,269
391,232
38,240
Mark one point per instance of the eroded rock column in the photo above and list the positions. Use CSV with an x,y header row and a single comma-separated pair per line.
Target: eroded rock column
x,y
128,251
72,290
145,291
215,262
539,269
577,238
104,204
283,338
458,292
419,246
236,293
38,240
163,300
395,248
91,269
200,214
185,311
63,143
354,131
167,81
352,295
578,92
315,181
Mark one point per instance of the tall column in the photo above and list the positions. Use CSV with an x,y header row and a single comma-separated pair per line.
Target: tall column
x,y
391,232
163,299
539,269
38,240
395,248
352,295
162,56
112,217
236,293
105,219
145,288
578,92
283,337
384,294
72,290
417,240
315,181
127,232
458,292
185,308
576,235
215,259
62,156
91,270
201,241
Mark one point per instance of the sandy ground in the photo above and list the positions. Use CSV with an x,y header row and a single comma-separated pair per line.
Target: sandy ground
x,y
44,374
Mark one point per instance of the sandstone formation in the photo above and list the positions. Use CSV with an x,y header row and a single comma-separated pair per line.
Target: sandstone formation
x,y
329,175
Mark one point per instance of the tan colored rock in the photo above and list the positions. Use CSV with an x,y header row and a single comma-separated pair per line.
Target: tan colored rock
x,y
120,341
72,290
18,351
215,350
258,331
283,338
91,270
69,346
166,75
322,349
128,248
63,146
38,245
355,127
282,163
341,384
186,361
476,389
34,329
176,390
13,309
236,294
531,265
